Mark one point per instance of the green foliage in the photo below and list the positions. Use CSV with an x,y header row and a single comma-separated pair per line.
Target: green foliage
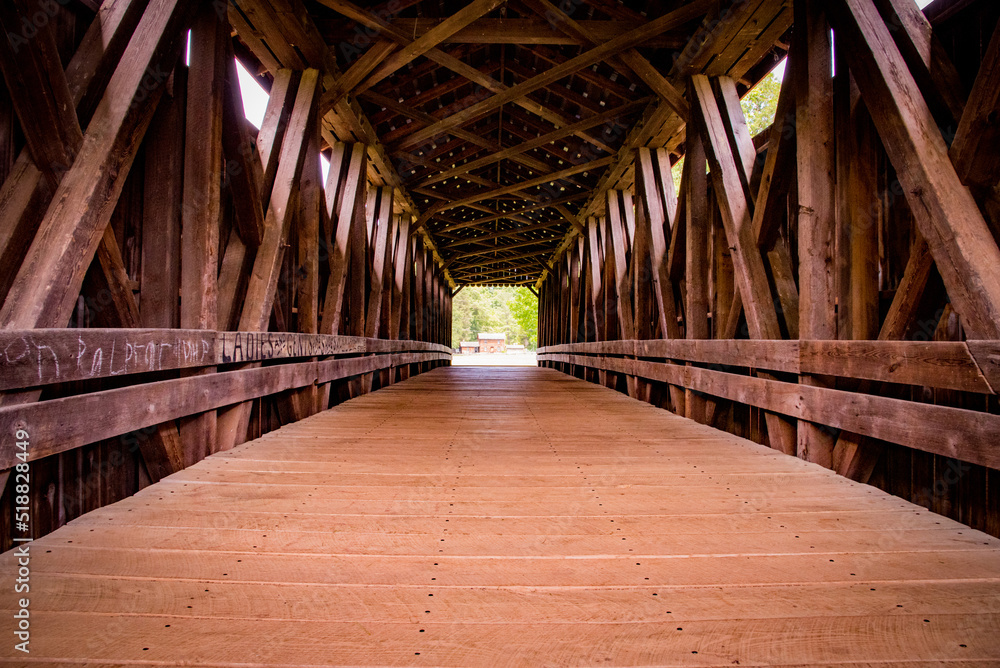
x,y
761,103
508,309
759,106
678,171
524,307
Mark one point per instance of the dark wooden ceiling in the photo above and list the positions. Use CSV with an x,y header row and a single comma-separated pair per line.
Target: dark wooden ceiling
x,y
502,124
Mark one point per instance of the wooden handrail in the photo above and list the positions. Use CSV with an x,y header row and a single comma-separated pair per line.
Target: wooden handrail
x,y
972,366
953,432
63,424
36,357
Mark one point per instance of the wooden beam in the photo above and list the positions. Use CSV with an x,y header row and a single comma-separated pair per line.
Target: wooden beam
x,y
345,202
862,178
41,357
160,279
696,270
770,204
729,177
449,26
632,38
657,82
289,30
493,249
59,99
201,213
531,183
233,278
244,172
939,364
311,210
770,211
855,456
381,214
404,39
357,72
747,260
48,283
657,211
419,291
512,233
25,195
506,215
62,424
656,216
628,59
38,89
611,327
926,59
816,176
264,279
619,209
565,131
977,142
262,288
400,280
945,212
527,31
951,432
274,125
476,138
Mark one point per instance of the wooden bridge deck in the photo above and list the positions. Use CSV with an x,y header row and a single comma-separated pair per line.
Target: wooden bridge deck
x,y
509,517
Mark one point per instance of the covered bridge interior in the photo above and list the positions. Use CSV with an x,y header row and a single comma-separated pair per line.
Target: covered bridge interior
x,y
764,425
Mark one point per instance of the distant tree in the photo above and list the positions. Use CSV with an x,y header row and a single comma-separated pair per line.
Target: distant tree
x,y
507,309
525,309
759,106
761,103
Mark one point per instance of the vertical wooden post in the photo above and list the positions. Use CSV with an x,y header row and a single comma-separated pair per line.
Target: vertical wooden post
x,y
696,257
595,259
161,226
381,215
309,399
419,294
202,202
573,331
621,219
816,201
541,320
863,296
610,292
310,205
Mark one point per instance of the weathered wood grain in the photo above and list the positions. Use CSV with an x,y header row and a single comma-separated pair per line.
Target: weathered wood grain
x,y
615,533
63,424
30,358
952,432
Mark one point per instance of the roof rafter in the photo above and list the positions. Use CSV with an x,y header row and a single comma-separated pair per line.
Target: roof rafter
x,y
634,37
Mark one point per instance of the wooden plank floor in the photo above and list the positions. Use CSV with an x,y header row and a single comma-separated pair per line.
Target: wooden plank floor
x,y
509,517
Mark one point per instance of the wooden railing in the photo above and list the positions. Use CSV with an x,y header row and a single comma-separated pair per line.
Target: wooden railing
x,y
725,369
37,358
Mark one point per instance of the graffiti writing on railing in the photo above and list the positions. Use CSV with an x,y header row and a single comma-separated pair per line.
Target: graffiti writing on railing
x,y
247,346
29,359
39,357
